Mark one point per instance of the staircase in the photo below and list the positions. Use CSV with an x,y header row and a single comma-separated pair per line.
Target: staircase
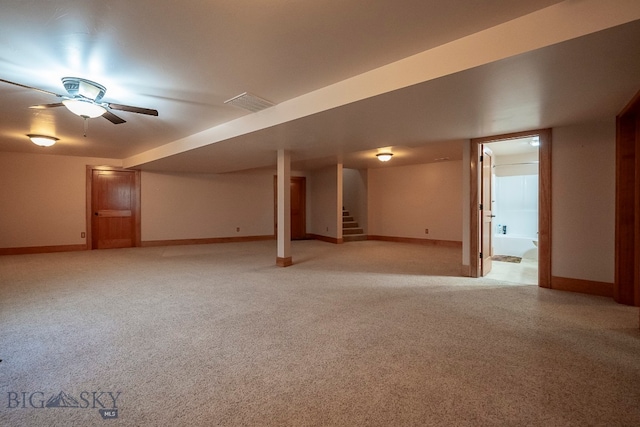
x,y
351,231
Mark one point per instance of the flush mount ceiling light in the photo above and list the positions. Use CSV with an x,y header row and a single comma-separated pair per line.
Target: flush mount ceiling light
x,y
249,102
84,109
384,157
42,140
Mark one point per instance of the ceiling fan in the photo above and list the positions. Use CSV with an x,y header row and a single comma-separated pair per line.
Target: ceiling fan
x,y
85,100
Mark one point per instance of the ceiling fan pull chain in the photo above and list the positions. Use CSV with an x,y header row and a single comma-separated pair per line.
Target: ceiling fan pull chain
x,y
86,125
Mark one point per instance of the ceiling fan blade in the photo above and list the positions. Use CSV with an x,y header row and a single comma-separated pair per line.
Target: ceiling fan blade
x,y
30,87
131,109
45,106
113,118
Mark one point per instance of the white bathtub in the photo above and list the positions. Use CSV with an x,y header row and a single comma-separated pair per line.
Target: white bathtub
x,y
514,245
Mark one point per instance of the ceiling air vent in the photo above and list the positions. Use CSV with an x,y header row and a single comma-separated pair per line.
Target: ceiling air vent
x,y
249,102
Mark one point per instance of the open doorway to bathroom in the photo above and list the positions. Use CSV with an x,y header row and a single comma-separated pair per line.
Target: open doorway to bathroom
x,y
514,208
483,228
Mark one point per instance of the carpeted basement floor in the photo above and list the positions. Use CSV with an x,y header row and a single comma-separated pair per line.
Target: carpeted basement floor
x,y
360,334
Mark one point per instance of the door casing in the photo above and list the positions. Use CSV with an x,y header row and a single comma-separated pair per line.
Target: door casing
x,y
90,208
544,202
626,288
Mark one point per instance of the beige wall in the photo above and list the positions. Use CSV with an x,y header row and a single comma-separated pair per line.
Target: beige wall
x,y
583,201
42,202
42,199
325,197
405,200
180,206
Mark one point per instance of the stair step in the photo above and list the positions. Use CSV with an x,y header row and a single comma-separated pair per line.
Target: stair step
x,y
351,230
354,230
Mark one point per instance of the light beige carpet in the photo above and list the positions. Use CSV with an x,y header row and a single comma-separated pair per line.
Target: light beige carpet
x,y
364,333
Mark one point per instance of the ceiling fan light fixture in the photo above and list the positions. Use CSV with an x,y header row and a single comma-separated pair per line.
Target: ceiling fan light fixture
x,y
84,109
42,140
83,87
384,157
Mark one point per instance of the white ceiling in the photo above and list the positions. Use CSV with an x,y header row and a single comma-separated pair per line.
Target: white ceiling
x,y
186,58
513,147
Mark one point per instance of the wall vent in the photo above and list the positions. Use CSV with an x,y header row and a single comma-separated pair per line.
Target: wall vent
x,y
249,102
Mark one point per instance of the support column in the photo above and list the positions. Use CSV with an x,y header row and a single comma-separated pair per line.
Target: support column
x,y
284,209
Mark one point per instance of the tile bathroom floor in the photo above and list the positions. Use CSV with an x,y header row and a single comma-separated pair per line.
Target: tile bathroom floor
x,y
523,273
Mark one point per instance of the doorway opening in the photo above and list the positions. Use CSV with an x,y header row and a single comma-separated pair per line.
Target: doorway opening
x,y
523,218
514,193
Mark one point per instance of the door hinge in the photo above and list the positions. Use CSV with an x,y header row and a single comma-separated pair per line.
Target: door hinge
x,y
481,158
480,255
480,206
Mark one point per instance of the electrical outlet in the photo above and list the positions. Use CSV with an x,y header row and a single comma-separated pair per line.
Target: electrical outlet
x,y
238,229
82,235
426,231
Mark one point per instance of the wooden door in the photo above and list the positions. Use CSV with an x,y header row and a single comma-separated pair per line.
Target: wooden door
x,y
486,214
627,241
298,207
114,208
298,195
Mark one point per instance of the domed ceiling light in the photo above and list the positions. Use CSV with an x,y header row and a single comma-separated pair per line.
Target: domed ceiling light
x,y
42,140
384,157
84,109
